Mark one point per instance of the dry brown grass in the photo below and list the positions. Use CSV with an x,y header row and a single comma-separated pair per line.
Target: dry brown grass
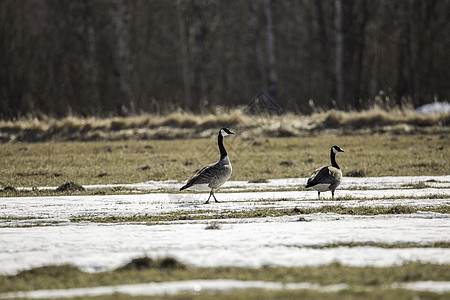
x,y
257,159
184,125
376,118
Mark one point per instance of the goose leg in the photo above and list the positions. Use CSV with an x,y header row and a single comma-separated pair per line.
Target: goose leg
x,y
214,197
318,194
207,201
332,194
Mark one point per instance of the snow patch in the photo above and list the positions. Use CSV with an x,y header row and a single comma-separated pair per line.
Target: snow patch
x,y
435,107
252,242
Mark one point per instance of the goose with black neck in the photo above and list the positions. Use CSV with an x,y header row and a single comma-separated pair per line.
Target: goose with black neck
x,y
327,178
213,176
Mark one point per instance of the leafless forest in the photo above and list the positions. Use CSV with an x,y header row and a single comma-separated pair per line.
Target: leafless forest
x,y
117,57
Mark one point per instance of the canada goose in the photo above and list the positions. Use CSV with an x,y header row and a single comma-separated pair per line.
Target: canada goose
x,y
327,178
214,175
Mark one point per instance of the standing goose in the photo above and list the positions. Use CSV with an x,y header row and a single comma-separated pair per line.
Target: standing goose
x,y
327,178
214,175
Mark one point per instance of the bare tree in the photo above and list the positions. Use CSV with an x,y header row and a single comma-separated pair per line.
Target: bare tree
x,y
254,28
339,59
120,19
273,75
200,81
325,53
184,56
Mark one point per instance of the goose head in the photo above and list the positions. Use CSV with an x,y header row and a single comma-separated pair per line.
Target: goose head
x,y
225,131
336,149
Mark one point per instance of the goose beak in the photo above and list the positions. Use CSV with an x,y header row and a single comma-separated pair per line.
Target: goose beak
x,y
231,132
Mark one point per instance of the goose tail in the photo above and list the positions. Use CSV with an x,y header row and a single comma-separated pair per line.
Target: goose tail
x,y
187,185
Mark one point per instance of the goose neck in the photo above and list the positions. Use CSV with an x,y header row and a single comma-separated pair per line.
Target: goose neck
x,y
223,152
333,159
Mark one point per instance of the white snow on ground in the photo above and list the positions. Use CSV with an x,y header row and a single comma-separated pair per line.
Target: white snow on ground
x,y
282,241
61,208
435,107
278,241
429,286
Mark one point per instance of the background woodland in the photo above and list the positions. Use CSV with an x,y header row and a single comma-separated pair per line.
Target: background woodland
x,y
117,57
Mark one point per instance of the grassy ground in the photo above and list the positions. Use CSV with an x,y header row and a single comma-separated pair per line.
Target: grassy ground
x,y
261,213
122,151
375,294
370,282
109,162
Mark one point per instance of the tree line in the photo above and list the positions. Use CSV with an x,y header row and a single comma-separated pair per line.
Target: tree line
x,y
119,57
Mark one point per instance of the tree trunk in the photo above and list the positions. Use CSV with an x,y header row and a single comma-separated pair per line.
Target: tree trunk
x,y
339,55
289,69
358,86
200,85
311,61
273,75
184,57
254,28
119,17
324,69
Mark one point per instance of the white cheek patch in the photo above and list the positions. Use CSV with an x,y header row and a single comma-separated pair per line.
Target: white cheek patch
x,y
334,150
223,133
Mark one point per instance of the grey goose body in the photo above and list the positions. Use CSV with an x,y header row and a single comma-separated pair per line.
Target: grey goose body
x,y
213,176
327,178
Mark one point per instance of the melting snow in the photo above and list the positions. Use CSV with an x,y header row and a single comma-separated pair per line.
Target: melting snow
x,y
435,107
282,241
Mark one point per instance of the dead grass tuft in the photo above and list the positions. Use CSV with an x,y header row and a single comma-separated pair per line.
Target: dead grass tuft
x,y
145,263
140,263
51,271
70,186
213,226
356,173
170,263
184,125
381,118
181,120
258,180
9,189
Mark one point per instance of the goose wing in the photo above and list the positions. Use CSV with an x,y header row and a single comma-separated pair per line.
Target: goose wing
x,y
203,176
320,176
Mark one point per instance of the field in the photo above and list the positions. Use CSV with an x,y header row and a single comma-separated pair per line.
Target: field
x,y
129,232
118,162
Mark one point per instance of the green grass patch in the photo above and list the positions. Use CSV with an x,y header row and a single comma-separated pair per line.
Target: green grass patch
x,y
262,213
54,193
144,270
397,197
254,159
419,185
357,293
